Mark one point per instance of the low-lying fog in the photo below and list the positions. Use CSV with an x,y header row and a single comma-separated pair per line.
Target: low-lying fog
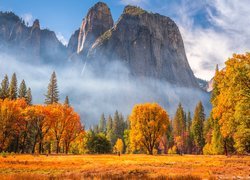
x,y
92,95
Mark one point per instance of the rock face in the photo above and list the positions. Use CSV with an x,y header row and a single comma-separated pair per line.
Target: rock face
x,y
97,21
29,42
73,42
149,44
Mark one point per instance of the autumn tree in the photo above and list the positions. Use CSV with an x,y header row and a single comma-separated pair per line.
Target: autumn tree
x,y
73,127
198,127
13,87
119,145
4,90
37,116
231,107
58,120
213,137
148,123
11,123
52,95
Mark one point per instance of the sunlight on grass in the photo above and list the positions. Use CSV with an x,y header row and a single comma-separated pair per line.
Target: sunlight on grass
x,y
125,166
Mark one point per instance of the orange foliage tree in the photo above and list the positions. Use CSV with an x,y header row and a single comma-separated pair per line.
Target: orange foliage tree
x,y
55,122
11,121
148,123
37,116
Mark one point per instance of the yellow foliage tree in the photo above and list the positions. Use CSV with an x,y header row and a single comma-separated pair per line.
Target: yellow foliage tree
x,y
119,146
148,123
232,105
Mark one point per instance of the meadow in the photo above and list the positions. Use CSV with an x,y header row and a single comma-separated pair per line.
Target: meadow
x,y
124,167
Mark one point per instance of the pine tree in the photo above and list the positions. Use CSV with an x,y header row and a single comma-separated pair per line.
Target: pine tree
x,y
110,132
52,95
109,123
217,139
22,92
214,139
29,97
179,121
116,123
102,124
4,92
66,101
189,122
13,87
198,126
189,138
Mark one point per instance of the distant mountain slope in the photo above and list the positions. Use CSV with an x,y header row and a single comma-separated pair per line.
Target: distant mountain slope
x,y
150,45
29,43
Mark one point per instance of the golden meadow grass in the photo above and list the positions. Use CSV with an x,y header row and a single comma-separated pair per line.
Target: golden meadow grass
x,y
123,167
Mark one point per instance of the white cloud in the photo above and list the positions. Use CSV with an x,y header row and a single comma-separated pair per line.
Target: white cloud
x,y
28,18
228,33
226,30
61,38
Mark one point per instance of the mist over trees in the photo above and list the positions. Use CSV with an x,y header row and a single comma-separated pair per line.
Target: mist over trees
x,y
110,91
56,127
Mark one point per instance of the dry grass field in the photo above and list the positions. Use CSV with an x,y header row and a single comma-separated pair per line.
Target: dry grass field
x,y
123,167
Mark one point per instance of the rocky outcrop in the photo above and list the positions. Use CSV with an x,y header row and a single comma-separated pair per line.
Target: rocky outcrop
x,y
29,43
149,44
210,85
97,21
73,42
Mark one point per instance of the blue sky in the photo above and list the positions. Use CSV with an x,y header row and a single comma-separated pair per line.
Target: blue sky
x,y
212,30
61,16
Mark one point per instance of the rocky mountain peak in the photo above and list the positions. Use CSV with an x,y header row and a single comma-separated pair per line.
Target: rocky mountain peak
x,y
97,21
150,44
36,24
133,10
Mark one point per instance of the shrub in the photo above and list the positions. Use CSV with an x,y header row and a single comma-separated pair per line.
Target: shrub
x,y
4,154
172,150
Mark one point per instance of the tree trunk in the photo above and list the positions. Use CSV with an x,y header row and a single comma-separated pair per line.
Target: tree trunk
x,y
150,151
40,147
57,146
225,147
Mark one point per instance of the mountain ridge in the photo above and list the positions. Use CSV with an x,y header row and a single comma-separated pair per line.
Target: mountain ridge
x,y
153,48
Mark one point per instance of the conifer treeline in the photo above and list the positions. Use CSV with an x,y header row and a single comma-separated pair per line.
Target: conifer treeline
x,y
11,91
